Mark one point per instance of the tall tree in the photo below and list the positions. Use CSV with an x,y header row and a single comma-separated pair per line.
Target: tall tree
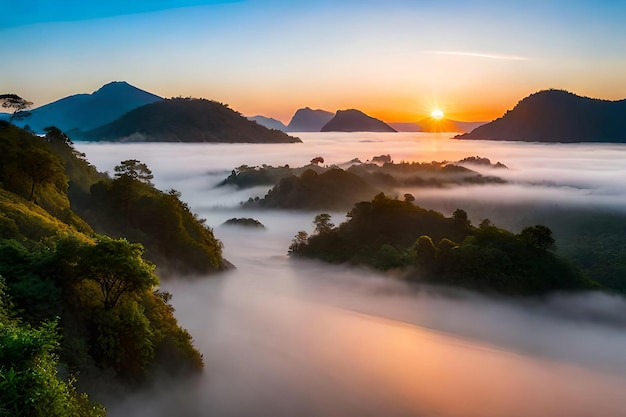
x,y
13,101
134,170
118,268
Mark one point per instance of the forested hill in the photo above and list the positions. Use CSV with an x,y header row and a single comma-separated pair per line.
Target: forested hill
x,y
557,116
83,302
186,120
88,111
389,233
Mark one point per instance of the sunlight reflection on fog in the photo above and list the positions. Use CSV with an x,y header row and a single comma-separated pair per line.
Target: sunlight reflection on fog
x,y
284,337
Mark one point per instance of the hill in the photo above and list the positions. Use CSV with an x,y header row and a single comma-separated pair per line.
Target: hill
x,y
557,116
429,247
309,120
88,111
269,122
186,120
72,301
355,121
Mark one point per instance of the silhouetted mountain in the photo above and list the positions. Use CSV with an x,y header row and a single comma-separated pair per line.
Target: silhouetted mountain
x,y
269,122
355,121
557,116
88,111
309,120
186,120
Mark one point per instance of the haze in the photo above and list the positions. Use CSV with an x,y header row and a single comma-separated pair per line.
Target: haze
x,y
395,60
288,337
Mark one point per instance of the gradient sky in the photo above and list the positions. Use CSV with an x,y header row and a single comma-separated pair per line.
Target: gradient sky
x,y
393,59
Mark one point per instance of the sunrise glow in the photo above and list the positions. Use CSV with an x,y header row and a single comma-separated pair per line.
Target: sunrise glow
x,y
436,114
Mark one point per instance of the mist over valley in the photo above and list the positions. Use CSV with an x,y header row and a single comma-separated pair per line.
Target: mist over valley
x,y
284,336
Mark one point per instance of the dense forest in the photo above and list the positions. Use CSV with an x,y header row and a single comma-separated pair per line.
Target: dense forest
x,y
75,302
332,187
557,116
388,233
186,120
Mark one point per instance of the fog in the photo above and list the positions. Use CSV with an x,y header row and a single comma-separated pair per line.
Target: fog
x,y
285,337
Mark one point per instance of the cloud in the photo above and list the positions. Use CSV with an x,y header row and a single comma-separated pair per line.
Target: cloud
x,y
481,55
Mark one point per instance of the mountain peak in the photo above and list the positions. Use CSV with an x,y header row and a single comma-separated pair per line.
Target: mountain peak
x,y
557,116
353,120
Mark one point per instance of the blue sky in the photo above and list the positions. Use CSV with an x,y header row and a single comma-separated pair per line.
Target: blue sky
x,y
393,59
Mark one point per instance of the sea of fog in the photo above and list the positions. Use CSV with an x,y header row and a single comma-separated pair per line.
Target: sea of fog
x,y
285,337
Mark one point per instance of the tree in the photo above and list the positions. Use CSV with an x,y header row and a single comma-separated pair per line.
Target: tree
x,y
409,198
299,241
425,251
539,237
460,218
13,101
317,160
322,223
41,167
56,135
134,170
118,268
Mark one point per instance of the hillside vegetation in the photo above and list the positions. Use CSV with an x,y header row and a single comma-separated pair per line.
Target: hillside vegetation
x,y
387,233
557,116
82,302
186,120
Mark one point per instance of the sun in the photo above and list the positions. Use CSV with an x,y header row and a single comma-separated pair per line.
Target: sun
x,y
436,114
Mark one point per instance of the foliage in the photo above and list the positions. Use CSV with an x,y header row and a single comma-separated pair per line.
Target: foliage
x,y
104,294
187,120
133,170
332,189
388,233
30,168
172,235
13,101
29,380
244,221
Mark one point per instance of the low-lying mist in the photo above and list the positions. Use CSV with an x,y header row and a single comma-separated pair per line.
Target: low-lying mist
x,y
284,337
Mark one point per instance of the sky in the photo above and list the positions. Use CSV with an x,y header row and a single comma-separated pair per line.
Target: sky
x,y
394,59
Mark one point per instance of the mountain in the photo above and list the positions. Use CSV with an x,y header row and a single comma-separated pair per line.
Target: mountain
x,y
186,120
269,122
309,120
557,116
355,121
88,111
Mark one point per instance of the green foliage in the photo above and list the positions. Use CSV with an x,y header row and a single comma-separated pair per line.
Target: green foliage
x,y
161,222
387,233
187,120
31,169
133,170
104,294
29,381
13,101
117,267
332,189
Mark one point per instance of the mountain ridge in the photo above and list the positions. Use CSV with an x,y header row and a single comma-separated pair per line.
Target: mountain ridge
x,y
85,111
352,120
186,120
557,116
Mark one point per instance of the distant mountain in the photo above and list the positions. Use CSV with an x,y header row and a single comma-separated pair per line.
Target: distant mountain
x,y
88,111
558,116
355,121
269,122
186,120
309,120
